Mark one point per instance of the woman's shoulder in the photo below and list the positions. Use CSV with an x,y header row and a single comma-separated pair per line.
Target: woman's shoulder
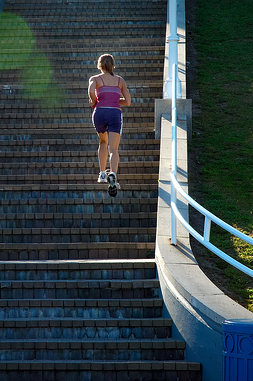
x,y
121,80
94,77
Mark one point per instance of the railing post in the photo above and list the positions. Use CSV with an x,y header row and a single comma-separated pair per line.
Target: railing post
x,y
174,156
173,51
207,229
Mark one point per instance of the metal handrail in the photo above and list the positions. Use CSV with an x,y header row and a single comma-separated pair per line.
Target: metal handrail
x,y
209,217
172,39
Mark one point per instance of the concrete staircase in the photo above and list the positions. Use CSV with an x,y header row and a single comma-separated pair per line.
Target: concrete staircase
x,y
80,298
87,320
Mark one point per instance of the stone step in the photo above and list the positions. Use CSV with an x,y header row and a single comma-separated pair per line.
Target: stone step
x,y
78,205
68,104
88,56
71,168
24,120
91,13
137,86
133,27
66,191
75,156
88,133
123,40
76,251
83,289
75,235
73,144
92,53
76,7
9,99
102,371
75,168
76,270
76,75
105,12
142,92
77,220
122,60
89,309
157,350
59,41
73,108
12,102
74,3
9,119
81,329
83,178
77,130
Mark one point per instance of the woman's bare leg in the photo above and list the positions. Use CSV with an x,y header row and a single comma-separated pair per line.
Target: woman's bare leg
x,y
102,151
114,140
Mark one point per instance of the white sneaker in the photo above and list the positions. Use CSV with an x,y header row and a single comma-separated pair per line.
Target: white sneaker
x,y
113,185
102,178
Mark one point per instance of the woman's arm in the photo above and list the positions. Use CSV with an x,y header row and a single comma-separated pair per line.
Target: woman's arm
x,y
126,100
91,91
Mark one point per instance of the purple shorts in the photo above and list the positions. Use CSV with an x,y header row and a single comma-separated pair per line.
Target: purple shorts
x,y
107,119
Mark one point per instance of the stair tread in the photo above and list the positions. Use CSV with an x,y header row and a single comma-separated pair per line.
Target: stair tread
x,y
94,215
98,283
153,342
92,230
75,301
59,187
81,264
118,365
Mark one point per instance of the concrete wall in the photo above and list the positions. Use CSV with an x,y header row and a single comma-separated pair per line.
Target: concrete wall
x,y
195,304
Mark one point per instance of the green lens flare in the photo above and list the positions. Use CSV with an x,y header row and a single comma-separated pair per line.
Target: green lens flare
x,y
16,41
36,77
18,52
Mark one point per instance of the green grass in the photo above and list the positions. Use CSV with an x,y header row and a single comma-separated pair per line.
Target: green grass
x,y
224,128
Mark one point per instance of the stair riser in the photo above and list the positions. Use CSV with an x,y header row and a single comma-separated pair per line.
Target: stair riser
x,y
82,333
89,354
75,238
8,274
77,223
76,75
75,171
148,30
76,134
90,146
81,254
70,157
146,102
66,179
80,207
79,293
80,375
75,9
85,195
88,313
90,56
25,119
